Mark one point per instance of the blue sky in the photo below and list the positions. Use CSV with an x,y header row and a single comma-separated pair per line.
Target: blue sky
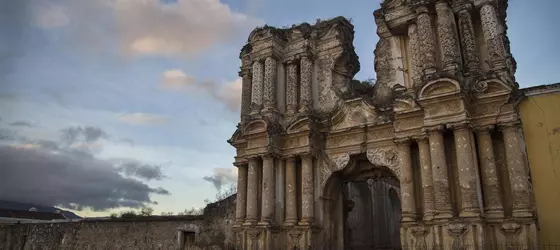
x,y
147,92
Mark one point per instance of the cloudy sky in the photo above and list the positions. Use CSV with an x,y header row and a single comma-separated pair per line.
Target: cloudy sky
x,y
113,104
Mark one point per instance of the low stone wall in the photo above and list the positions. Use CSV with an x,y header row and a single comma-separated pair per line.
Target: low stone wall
x,y
212,229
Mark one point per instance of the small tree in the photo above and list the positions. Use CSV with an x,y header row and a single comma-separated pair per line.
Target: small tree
x,y
146,211
129,214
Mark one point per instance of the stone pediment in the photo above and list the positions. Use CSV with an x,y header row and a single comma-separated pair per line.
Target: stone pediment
x,y
255,127
236,138
299,125
354,113
439,88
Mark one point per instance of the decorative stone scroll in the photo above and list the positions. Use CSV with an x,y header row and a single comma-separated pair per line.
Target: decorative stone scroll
x,y
388,157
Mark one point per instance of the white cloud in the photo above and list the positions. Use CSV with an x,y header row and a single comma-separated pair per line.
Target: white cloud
x,y
231,94
176,79
147,27
143,118
48,15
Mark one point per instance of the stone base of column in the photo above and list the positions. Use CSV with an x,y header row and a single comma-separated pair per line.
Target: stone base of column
x,y
267,223
305,222
469,213
429,215
443,215
269,109
407,217
451,68
522,213
494,213
250,222
290,222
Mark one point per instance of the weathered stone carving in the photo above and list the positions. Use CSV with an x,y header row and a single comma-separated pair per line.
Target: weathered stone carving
x,y
388,157
257,87
493,36
291,88
305,90
427,39
468,39
270,83
451,55
413,125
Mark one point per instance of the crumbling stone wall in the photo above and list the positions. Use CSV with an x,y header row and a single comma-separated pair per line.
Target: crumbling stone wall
x,y
213,231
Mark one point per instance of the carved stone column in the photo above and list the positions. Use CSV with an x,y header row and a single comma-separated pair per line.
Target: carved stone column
x,y
468,39
406,180
493,36
466,171
492,203
427,177
270,77
305,87
427,40
517,170
450,53
257,87
252,190
307,207
439,171
291,88
291,195
245,93
241,200
268,189
415,47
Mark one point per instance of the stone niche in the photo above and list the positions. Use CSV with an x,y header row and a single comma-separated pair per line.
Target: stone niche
x,y
434,146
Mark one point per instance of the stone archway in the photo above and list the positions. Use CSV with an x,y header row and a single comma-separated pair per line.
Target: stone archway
x,y
363,209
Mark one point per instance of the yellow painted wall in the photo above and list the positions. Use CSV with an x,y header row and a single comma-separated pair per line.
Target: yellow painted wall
x,y
540,115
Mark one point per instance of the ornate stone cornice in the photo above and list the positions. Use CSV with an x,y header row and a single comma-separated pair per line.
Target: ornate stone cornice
x,y
484,128
459,125
433,129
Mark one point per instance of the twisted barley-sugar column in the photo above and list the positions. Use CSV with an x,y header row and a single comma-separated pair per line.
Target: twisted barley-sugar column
x,y
268,189
291,195
450,53
468,39
241,200
270,76
493,36
252,190
257,87
517,170
406,180
492,203
291,88
307,189
305,87
427,177
466,171
427,40
440,175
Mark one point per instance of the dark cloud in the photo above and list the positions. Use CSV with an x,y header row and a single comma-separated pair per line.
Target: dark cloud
x,y
67,174
143,171
20,124
221,177
82,134
67,179
10,135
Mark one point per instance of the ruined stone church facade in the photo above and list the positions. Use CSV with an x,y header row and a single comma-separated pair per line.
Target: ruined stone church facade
x,y
431,157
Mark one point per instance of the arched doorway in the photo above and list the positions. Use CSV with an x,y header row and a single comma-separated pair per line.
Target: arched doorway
x,y
364,211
